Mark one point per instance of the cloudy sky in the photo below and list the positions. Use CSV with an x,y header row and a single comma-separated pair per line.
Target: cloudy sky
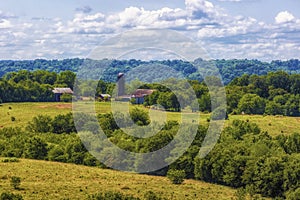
x,y
254,29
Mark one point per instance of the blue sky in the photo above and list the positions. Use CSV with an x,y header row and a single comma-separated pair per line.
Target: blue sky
x,y
254,29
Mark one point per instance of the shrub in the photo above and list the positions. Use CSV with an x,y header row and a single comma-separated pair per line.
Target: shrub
x,y
10,196
66,98
15,182
6,160
240,194
293,195
176,176
112,195
140,117
151,196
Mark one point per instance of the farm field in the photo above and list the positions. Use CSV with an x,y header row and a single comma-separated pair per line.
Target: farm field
x,y
51,180
24,112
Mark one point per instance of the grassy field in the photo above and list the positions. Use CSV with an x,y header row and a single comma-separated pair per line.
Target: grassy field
x,y
24,112
51,180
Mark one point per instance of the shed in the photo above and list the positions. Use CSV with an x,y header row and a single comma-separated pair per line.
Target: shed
x,y
105,97
59,91
139,95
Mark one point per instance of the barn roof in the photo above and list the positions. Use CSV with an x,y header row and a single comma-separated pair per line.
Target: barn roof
x,y
142,92
62,91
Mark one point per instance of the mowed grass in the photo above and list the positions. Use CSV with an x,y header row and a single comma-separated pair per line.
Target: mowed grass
x,y
24,112
51,180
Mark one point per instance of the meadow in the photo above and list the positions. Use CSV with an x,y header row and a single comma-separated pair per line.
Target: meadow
x,y
52,180
24,112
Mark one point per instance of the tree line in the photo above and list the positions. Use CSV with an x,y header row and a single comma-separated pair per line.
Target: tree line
x,y
276,93
229,69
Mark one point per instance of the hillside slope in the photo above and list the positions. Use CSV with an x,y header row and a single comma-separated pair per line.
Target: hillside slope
x,y
51,180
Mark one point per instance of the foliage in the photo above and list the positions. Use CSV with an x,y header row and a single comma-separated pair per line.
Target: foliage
x,y
112,195
8,160
35,148
15,182
66,98
40,124
176,176
10,196
139,116
149,195
229,69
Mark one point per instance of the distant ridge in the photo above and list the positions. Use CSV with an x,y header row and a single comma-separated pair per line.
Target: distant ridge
x,y
229,69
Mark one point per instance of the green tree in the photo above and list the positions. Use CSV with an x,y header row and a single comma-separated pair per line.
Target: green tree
x,y
40,124
66,98
251,104
273,108
139,116
176,176
66,78
36,148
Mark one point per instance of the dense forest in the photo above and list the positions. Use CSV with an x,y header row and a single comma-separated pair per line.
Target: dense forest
x,y
229,69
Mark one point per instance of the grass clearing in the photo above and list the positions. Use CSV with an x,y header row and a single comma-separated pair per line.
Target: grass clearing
x,y
51,180
24,112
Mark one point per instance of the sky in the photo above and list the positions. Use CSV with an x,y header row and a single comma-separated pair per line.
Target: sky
x,y
227,29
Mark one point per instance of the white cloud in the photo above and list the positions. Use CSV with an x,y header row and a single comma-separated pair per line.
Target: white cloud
x,y
284,17
222,35
4,24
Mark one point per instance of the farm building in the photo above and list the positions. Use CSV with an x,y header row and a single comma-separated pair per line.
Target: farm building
x,y
59,91
105,97
139,95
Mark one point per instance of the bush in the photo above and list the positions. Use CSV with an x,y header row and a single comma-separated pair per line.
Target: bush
x,y
10,196
140,117
112,195
40,124
13,119
151,196
176,176
240,194
293,195
7,160
66,98
15,182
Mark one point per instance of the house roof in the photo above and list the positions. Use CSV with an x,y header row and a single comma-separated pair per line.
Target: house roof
x,y
62,91
142,92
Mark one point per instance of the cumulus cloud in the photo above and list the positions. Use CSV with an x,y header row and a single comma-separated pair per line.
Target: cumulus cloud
x,y
4,23
284,17
221,34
